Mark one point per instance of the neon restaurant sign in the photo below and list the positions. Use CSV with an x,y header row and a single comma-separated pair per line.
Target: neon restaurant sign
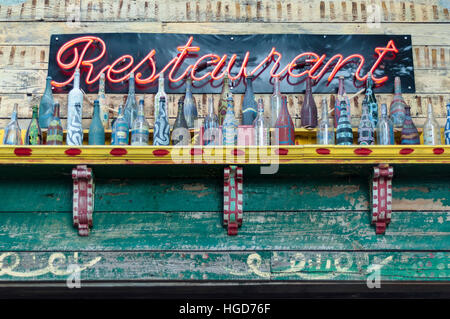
x,y
207,59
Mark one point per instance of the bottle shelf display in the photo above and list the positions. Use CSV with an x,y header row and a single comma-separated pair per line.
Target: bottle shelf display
x,y
317,140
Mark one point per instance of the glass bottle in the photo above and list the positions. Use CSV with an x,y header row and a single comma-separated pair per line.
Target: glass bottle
x,y
46,105
161,93
410,135
385,128
447,126
104,112
223,100
161,132
55,131
140,128
211,126
308,112
325,130
398,105
34,134
120,129
249,104
275,102
371,101
130,110
190,108
365,128
96,130
12,135
431,129
344,133
74,112
180,132
260,127
341,97
284,127
230,123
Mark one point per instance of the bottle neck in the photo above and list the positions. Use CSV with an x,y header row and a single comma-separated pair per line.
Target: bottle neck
x,y
430,111
141,108
397,86
161,84
35,112
308,86
14,113
76,81
407,111
324,109
383,111
210,108
48,86
341,89
226,86
250,84
101,85
131,88
56,110
96,110
276,87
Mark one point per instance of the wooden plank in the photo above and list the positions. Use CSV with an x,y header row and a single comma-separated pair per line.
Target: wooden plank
x,y
38,33
201,231
210,265
357,11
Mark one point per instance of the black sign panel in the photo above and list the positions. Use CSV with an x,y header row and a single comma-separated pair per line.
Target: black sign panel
x,y
138,45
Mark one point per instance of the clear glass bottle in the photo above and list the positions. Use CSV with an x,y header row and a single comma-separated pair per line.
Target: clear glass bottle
x,y
308,112
140,128
104,112
447,126
161,93
96,134
249,104
180,132
190,108
385,128
55,134
12,135
120,129
230,123
223,100
131,105
365,128
260,127
161,132
74,112
398,104
275,102
34,134
46,105
431,129
325,130
211,126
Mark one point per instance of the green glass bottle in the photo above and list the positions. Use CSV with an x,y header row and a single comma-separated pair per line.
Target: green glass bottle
x,y
46,105
96,129
55,130
34,134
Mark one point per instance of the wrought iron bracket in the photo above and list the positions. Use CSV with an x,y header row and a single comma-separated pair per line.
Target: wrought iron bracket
x,y
83,198
232,198
381,192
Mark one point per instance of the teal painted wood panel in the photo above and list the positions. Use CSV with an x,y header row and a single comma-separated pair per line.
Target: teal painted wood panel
x,y
199,266
346,230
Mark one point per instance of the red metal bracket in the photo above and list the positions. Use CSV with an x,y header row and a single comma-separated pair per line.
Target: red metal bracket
x,y
232,198
382,197
83,198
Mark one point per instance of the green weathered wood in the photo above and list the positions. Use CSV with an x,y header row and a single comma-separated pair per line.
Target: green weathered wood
x,y
210,265
345,230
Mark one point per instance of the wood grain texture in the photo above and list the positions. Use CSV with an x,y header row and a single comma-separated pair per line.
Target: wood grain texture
x,y
348,230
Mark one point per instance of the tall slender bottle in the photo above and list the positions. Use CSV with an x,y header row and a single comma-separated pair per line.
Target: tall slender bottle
x,y
74,112
55,132
275,102
410,135
230,123
46,105
131,105
140,128
397,110
344,133
211,126
249,104
180,132
325,130
385,128
161,93
223,100
34,134
341,97
120,129
190,108
365,128
12,135
447,126
161,132
260,126
431,129
371,101
96,130
308,112
104,112
284,127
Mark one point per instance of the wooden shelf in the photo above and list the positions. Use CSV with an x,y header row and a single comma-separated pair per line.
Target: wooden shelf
x,y
298,154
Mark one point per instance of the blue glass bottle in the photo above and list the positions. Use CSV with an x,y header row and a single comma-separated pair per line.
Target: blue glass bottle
x,y
12,135
96,129
120,129
447,126
161,132
230,123
46,105
249,104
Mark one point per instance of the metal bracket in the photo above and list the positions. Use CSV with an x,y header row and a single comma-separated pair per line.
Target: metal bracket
x,y
83,198
382,197
232,198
